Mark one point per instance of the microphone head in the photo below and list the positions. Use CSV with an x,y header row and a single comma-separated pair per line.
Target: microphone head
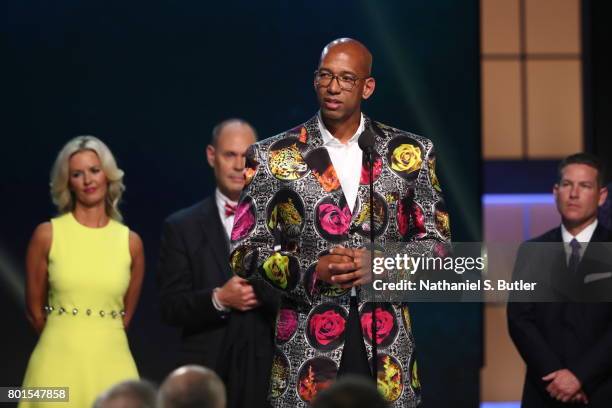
x,y
366,140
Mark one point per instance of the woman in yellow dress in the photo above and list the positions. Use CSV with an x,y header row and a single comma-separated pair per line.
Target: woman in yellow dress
x,y
84,275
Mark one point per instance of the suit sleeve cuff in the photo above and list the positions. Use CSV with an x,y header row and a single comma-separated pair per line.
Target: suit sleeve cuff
x,y
217,305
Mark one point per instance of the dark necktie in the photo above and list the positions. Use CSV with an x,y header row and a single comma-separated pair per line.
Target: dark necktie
x,y
574,258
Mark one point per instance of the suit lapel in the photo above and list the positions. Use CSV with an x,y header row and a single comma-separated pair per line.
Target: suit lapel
x,y
569,282
601,234
213,230
379,141
318,159
595,256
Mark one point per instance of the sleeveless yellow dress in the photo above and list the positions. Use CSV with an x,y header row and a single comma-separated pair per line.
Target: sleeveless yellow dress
x,y
83,345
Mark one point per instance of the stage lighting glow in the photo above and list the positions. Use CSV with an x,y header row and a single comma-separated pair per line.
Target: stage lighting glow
x,y
516,404
11,278
508,199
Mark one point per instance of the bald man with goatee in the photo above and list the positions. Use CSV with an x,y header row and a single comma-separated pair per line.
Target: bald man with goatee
x,y
305,224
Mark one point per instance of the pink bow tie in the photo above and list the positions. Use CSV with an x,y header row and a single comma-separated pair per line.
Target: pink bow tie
x,y
229,209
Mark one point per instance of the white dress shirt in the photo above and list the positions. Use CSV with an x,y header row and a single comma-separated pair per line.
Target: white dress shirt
x,y
583,237
346,159
228,222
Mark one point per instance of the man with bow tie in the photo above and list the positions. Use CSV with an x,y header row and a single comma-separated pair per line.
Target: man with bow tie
x,y
198,292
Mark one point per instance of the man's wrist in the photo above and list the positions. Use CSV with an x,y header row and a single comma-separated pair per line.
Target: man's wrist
x,y
216,303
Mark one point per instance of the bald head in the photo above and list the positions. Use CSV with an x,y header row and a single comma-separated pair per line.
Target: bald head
x,y
233,125
128,394
353,48
342,81
192,386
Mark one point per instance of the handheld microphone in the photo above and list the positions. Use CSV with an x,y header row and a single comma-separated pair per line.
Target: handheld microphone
x,y
366,142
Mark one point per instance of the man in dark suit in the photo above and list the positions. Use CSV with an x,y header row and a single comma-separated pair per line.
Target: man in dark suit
x,y
198,292
567,345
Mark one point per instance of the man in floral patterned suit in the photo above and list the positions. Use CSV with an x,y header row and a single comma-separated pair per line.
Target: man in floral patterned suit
x,y
303,221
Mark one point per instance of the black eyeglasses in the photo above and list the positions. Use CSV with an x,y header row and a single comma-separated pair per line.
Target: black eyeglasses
x,y
346,81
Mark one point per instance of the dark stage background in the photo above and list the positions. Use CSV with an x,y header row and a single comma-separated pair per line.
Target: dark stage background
x,y
152,78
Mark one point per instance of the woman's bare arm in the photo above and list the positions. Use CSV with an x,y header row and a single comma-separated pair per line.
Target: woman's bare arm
x,y
37,283
137,275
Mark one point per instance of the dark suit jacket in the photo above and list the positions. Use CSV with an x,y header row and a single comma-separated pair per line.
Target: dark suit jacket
x,y
555,335
194,259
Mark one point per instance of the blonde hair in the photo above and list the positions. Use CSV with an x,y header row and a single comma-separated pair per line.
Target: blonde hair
x,y
61,195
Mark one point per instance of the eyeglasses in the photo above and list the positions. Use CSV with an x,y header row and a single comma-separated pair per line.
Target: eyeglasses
x,y
345,81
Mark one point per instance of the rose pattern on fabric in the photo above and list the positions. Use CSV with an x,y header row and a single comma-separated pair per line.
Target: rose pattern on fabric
x,y
328,179
406,158
408,211
419,220
365,170
442,250
385,323
286,324
276,268
244,220
333,220
403,218
389,378
326,327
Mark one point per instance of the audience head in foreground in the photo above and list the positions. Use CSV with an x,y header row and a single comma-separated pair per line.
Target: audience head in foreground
x,y
128,394
192,386
350,392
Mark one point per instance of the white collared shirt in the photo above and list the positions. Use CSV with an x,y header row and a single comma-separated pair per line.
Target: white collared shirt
x,y
346,159
583,237
228,222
